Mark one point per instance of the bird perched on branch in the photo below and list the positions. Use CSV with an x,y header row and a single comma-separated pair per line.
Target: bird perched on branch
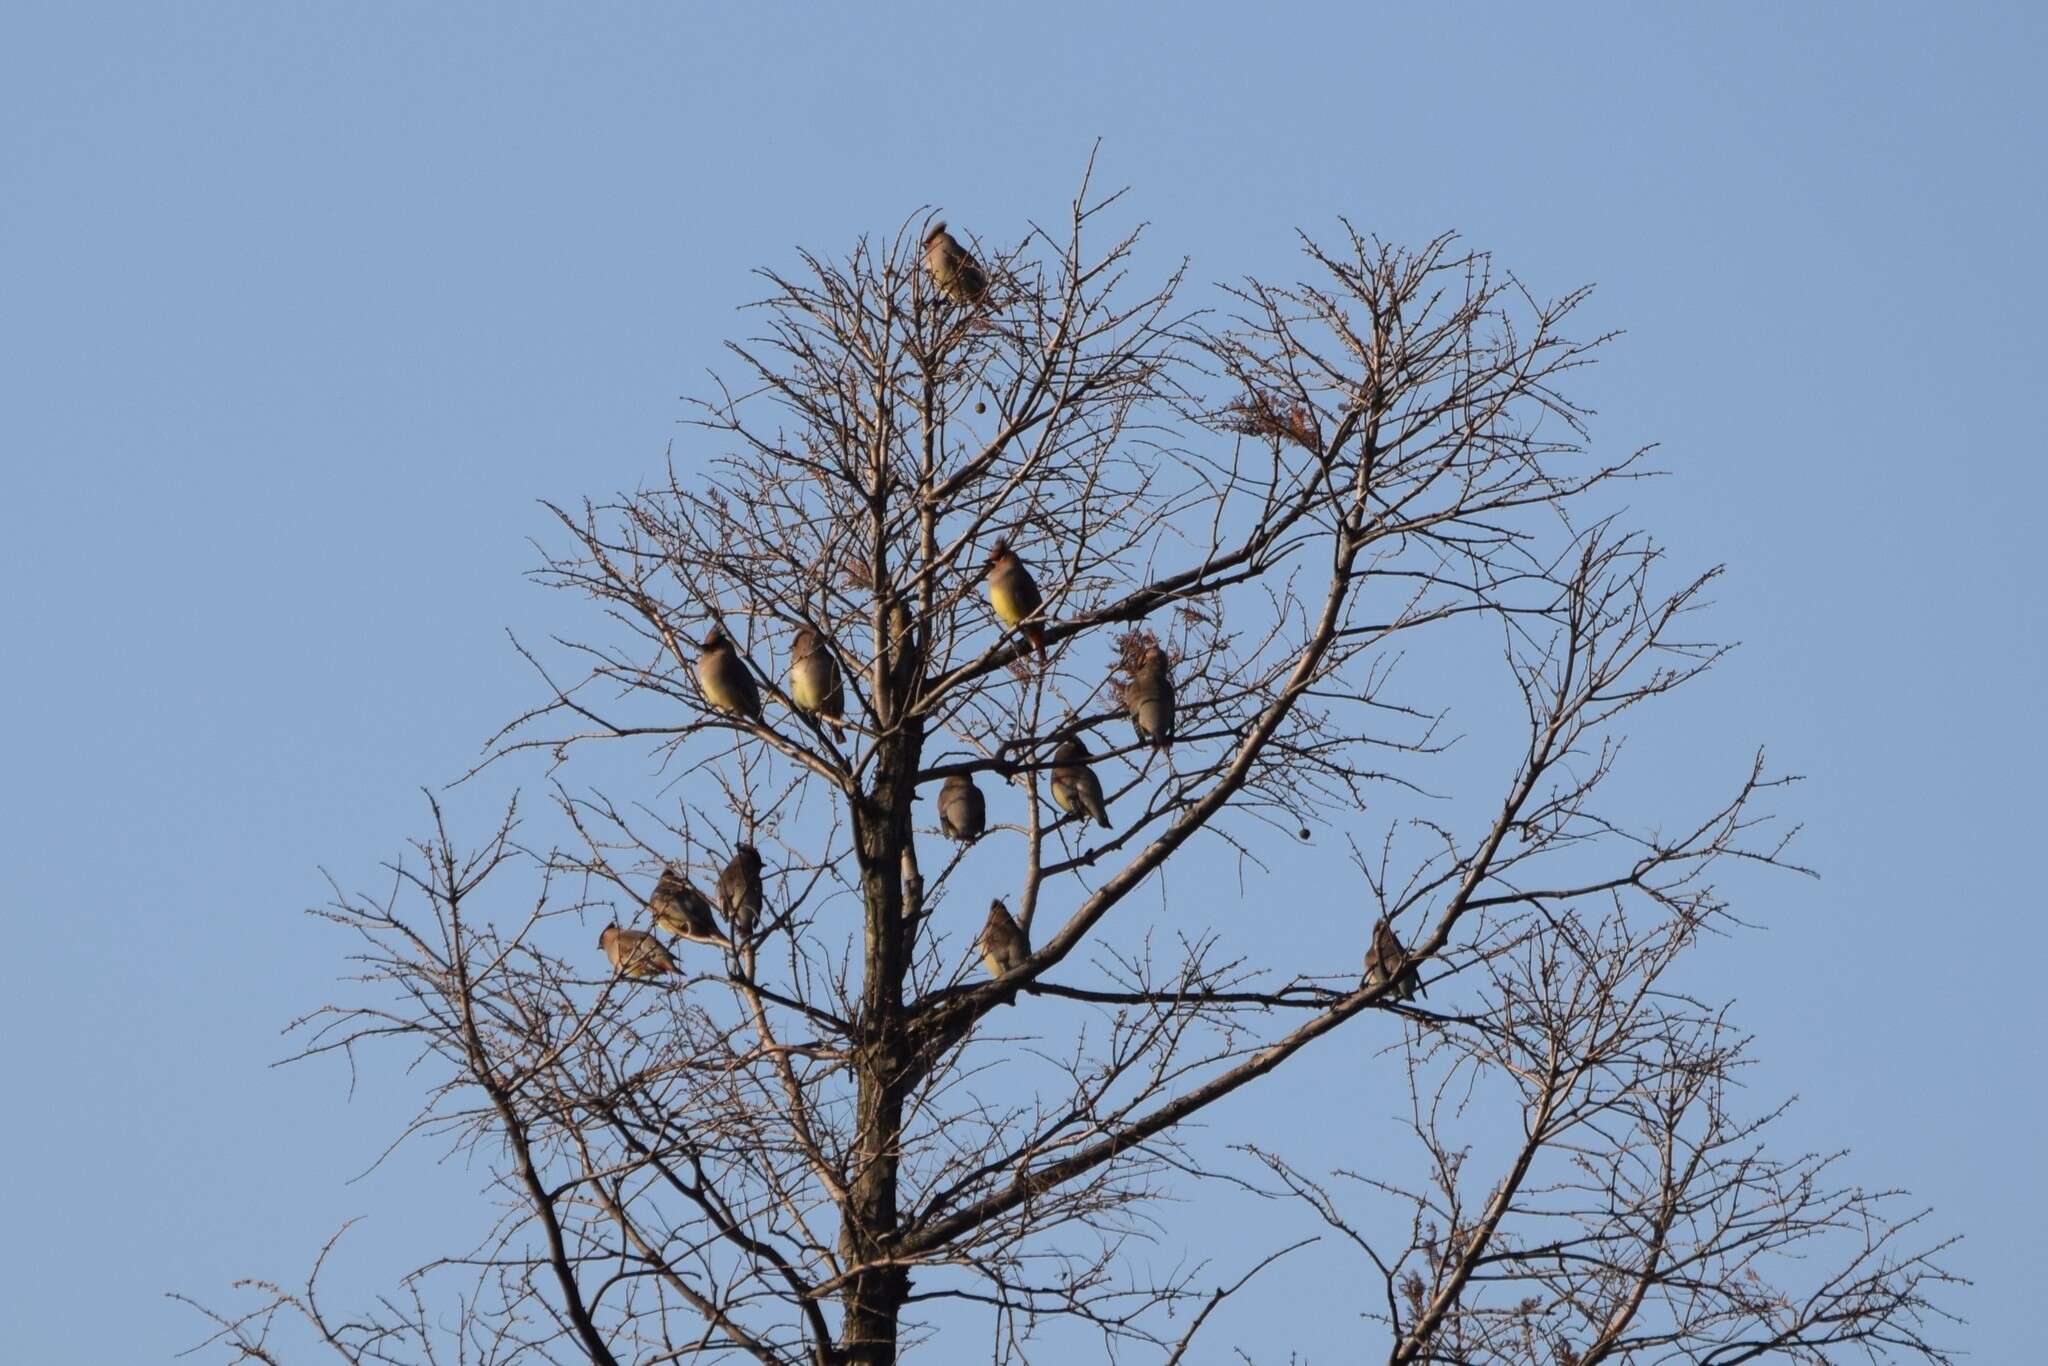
x,y
739,892
900,626
1014,594
680,908
1004,947
963,812
1075,788
635,953
1148,697
1386,961
814,681
952,268
727,682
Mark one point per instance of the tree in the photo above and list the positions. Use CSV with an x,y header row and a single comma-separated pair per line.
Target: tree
x,y
797,1151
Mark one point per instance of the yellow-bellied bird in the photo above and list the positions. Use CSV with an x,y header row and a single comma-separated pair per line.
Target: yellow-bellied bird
x,y
814,681
1385,961
739,892
1003,945
727,682
1075,788
635,953
1014,594
1148,697
963,813
952,268
680,908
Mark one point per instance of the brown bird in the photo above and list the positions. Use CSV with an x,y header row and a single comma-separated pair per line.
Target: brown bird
x,y
1003,945
963,813
739,892
814,681
727,682
680,908
952,268
1384,961
1148,697
636,953
895,645
1014,594
900,627
1075,788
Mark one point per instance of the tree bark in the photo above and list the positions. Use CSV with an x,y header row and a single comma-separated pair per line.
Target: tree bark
x,y
877,1287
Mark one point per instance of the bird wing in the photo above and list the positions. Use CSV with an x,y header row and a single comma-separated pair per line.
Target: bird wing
x,y
1091,795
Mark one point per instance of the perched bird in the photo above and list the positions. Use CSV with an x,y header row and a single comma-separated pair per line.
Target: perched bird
x,y
680,908
963,812
727,682
900,626
1014,594
957,274
1148,697
739,892
1003,945
1075,788
636,953
1385,960
814,681
895,627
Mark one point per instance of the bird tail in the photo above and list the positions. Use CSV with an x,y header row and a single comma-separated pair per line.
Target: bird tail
x,y
1034,632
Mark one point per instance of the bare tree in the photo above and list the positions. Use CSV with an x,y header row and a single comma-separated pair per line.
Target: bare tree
x,y
830,1124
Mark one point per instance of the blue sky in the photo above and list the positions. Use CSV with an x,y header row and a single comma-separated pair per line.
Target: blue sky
x,y
303,307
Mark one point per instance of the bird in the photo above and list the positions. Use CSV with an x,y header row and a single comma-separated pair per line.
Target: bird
x,y
963,812
1075,788
739,892
1148,697
1386,960
814,681
952,268
1004,946
636,953
727,682
1014,594
680,908
895,646
900,626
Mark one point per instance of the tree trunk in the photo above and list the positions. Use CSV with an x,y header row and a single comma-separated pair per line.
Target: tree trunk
x,y
873,1298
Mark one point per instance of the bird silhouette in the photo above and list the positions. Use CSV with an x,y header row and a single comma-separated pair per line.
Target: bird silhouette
x,y
1075,788
814,681
680,908
635,953
1014,594
1385,961
953,268
1004,947
1148,697
739,892
727,682
963,813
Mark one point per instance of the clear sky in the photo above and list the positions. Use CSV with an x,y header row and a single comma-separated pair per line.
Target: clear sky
x,y
303,306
